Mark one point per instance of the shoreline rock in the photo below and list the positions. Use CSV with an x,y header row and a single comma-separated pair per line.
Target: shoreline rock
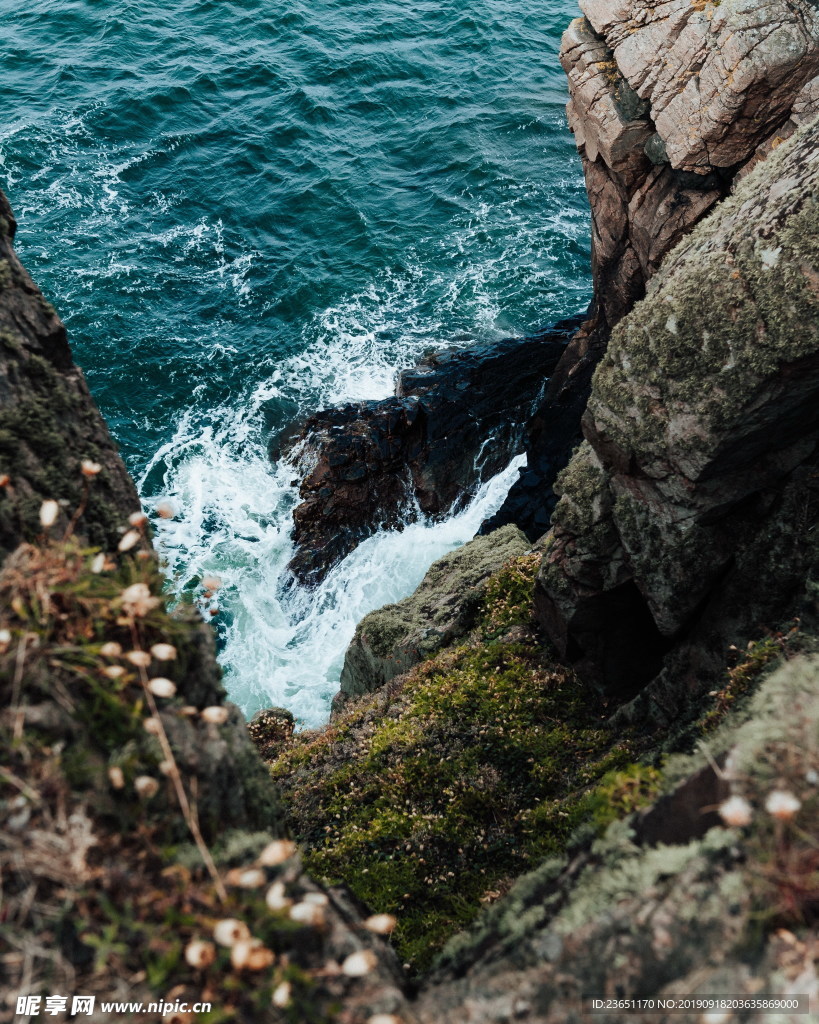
x,y
456,420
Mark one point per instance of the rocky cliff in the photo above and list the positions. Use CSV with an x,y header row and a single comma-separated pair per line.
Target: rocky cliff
x,y
690,509
670,105
48,422
497,801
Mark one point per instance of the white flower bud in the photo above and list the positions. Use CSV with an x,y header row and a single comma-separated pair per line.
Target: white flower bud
x,y
90,468
277,852
229,931
200,954
250,955
736,811
129,540
276,898
216,714
161,687
163,652
782,805
49,510
139,658
282,994
381,924
307,913
146,786
137,599
357,965
116,777
246,878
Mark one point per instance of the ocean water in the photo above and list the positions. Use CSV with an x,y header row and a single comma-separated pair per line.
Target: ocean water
x,y
245,211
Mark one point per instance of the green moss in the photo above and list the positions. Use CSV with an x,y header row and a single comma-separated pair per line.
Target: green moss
x,y
620,793
427,802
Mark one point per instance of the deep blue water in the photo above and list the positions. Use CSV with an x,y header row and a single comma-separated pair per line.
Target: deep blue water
x,y
245,210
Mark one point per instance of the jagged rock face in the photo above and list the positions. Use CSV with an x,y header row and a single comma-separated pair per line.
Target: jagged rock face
x,y
652,911
48,420
701,438
668,102
394,638
455,421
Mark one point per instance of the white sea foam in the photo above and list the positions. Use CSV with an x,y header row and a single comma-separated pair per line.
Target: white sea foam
x,y
283,644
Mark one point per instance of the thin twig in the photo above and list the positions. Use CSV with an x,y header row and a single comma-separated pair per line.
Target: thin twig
x,y
191,819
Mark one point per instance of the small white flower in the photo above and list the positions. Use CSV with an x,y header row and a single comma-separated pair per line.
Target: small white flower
x,y
736,811
277,852
216,714
111,649
200,953
152,726
49,510
318,899
161,687
139,658
163,652
98,563
384,1018
113,671
90,468
381,924
137,519
282,994
782,805
357,965
137,599
116,777
5,637
246,878
250,955
276,898
307,913
146,786
165,510
129,540
229,931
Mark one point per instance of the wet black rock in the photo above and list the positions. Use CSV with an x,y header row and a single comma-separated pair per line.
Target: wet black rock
x,y
455,420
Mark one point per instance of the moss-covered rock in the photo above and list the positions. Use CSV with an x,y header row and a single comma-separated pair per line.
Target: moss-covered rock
x,y
391,640
703,432
428,797
730,911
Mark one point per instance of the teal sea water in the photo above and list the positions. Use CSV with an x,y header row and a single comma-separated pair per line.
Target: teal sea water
x,y
245,211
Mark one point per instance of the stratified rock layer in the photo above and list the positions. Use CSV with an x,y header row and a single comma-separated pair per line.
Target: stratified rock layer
x,y
698,480
668,102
